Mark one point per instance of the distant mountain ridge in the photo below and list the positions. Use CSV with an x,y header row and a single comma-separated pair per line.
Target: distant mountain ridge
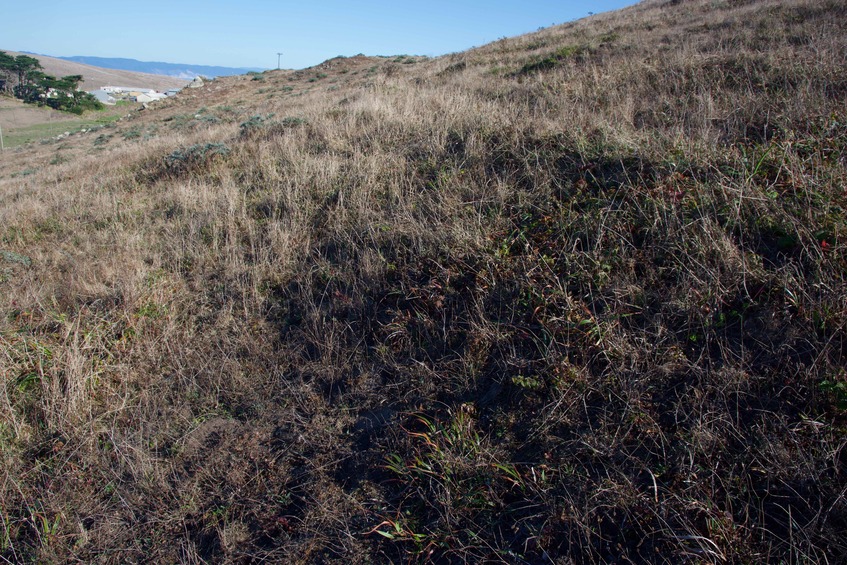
x,y
94,77
178,70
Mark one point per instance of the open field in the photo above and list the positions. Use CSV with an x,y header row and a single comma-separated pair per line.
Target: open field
x,y
23,123
570,297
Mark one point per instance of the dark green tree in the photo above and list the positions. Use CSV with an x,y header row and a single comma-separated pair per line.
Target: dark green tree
x,y
7,71
64,94
31,91
17,73
25,66
33,86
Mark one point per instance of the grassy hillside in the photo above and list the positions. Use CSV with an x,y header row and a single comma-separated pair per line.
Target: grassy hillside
x,y
576,296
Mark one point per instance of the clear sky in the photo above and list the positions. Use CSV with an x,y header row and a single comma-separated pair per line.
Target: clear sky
x,y
250,33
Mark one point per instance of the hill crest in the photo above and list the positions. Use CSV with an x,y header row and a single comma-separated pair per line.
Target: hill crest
x,y
95,77
176,70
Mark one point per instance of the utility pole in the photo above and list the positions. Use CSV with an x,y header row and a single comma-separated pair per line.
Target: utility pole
x,y
278,55
2,147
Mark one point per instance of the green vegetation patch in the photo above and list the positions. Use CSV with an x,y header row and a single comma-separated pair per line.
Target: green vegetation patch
x,y
15,137
12,257
552,60
194,156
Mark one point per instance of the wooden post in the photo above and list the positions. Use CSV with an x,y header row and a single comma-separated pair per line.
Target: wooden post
x,y
2,147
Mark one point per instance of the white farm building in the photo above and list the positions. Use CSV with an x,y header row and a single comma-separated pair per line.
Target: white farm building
x,y
123,89
149,96
103,96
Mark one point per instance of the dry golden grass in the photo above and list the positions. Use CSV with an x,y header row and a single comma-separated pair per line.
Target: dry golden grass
x,y
576,296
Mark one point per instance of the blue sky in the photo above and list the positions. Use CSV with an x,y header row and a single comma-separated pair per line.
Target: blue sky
x,y
251,33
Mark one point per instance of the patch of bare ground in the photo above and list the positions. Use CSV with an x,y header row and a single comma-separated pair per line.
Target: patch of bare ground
x,y
576,296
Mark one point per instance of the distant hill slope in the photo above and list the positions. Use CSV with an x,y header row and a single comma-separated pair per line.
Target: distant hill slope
x,y
95,77
179,70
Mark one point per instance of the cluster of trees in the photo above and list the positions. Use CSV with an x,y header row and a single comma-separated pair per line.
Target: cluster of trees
x,y
23,77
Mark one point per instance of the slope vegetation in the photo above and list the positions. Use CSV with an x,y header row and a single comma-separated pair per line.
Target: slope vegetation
x,y
576,296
